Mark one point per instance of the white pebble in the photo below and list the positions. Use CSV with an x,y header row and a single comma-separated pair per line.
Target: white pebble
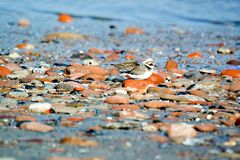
x,y
40,107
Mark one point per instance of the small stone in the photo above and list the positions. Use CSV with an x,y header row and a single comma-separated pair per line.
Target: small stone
x,y
7,102
65,18
231,72
14,55
159,104
18,94
182,83
37,99
26,46
38,70
126,107
206,127
140,85
137,96
121,91
209,71
25,118
98,86
4,71
117,100
234,62
131,115
64,35
76,141
23,22
170,64
188,108
195,55
158,138
193,98
90,92
78,68
172,97
223,50
37,127
95,50
70,86
193,75
40,107
149,128
133,30
75,119
181,130
18,74
198,92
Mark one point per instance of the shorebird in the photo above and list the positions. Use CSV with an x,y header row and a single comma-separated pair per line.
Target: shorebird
x,y
136,70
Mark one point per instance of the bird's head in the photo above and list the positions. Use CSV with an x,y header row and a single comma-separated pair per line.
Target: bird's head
x,y
149,63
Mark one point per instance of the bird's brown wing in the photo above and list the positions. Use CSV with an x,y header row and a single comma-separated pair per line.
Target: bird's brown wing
x,y
127,66
139,70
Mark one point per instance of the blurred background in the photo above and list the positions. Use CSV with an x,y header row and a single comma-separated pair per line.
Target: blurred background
x,y
163,12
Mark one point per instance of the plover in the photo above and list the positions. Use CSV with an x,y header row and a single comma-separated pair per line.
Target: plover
x,y
136,70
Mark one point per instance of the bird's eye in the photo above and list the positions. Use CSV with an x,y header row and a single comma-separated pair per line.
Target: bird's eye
x,y
151,64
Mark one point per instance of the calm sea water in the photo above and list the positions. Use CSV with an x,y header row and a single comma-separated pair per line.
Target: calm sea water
x,y
164,12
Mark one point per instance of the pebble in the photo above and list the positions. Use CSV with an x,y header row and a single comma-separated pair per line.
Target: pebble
x,y
195,55
193,98
234,62
70,86
37,99
25,118
158,138
126,107
117,100
181,130
4,71
133,30
206,127
18,74
65,18
137,85
35,126
76,141
159,104
23,22
120,91
231,72
7,102
209,71
193,75
40,107
171,64
18,94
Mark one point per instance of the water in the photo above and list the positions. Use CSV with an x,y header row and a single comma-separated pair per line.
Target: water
x,y
204,22
185,12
